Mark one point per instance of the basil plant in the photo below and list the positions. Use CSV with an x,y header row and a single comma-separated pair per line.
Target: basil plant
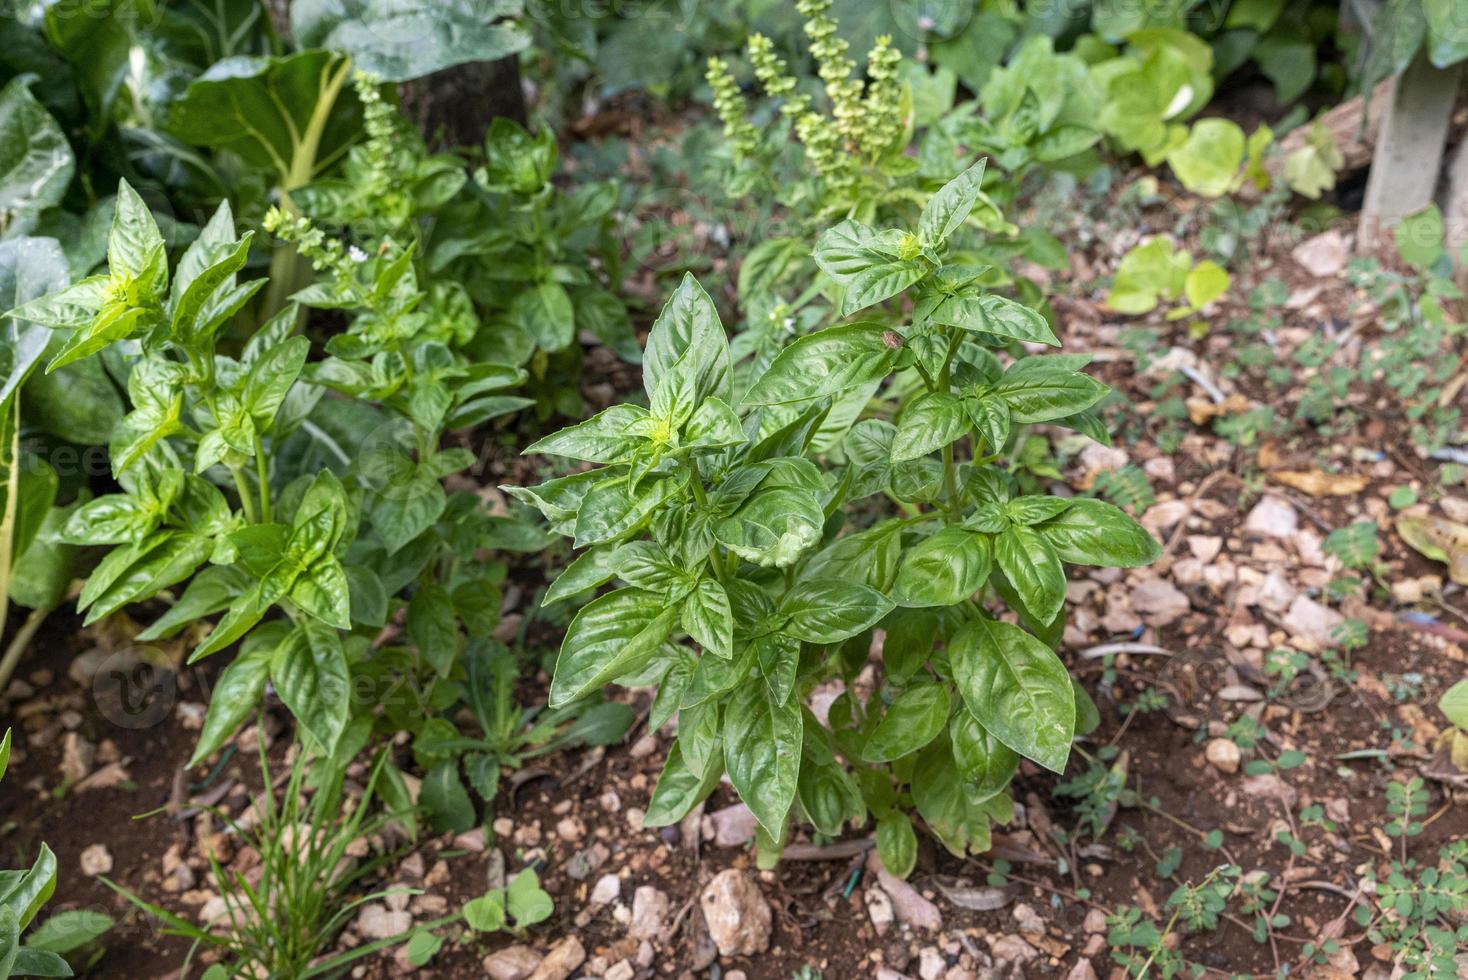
x,y
299,500
758,548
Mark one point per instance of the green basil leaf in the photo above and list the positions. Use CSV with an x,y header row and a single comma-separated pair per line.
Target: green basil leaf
x,y
912,721
762,747
947,210
447,802
944,569
610,635
830,610
823,364
984,760
1017,689
929,423
235,697
1033,568
678,790
1037,391
687,357
707,618
774,527
309,671
896,843
1093,532
433,627
603,438
866,263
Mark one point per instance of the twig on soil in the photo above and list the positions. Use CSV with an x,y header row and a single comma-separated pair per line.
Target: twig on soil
x,y
1203,486
838,851
1107,649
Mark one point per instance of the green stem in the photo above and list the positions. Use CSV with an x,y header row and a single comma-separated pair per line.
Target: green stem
x,y
247,499
262,470
19,642
950,469
288,270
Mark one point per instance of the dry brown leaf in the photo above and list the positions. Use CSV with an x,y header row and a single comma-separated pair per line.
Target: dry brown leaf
x,y
1203,410
1439,539
1318,483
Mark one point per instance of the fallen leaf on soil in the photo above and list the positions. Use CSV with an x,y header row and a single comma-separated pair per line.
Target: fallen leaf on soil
x,y
1318,483
1203,410
975,899
1439,539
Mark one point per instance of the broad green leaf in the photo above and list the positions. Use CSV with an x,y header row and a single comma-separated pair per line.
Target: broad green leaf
x,y
687,357
944,569
896,843
930,422
706,617
984,760
66,932
1037,391
309,672
235,697
679,789
912,721
1093,532
29,268
433,627
950,207
1208,162
545,312
826,363
447,802
1033,567
1420,238
611,635
400,40
774,527
762,744
36,162
869,264
527,902
606,437
1017,689
1454,704
290,114
831,610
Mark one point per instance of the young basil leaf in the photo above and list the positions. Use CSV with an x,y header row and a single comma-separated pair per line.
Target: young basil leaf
x,y
236,696
309,672
985,761
678,790
1037,391
606,437
896,843
871,265
706,618
687,357
947,210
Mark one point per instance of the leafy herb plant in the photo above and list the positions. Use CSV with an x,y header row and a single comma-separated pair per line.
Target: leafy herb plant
x,y
751,567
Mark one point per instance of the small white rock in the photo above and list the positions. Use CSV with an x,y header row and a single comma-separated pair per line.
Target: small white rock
x,y
96,860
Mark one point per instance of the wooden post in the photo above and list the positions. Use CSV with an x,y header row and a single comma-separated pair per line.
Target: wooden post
x,y
1409,154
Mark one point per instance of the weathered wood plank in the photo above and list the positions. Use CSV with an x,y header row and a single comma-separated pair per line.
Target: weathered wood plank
x,y
1409,153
